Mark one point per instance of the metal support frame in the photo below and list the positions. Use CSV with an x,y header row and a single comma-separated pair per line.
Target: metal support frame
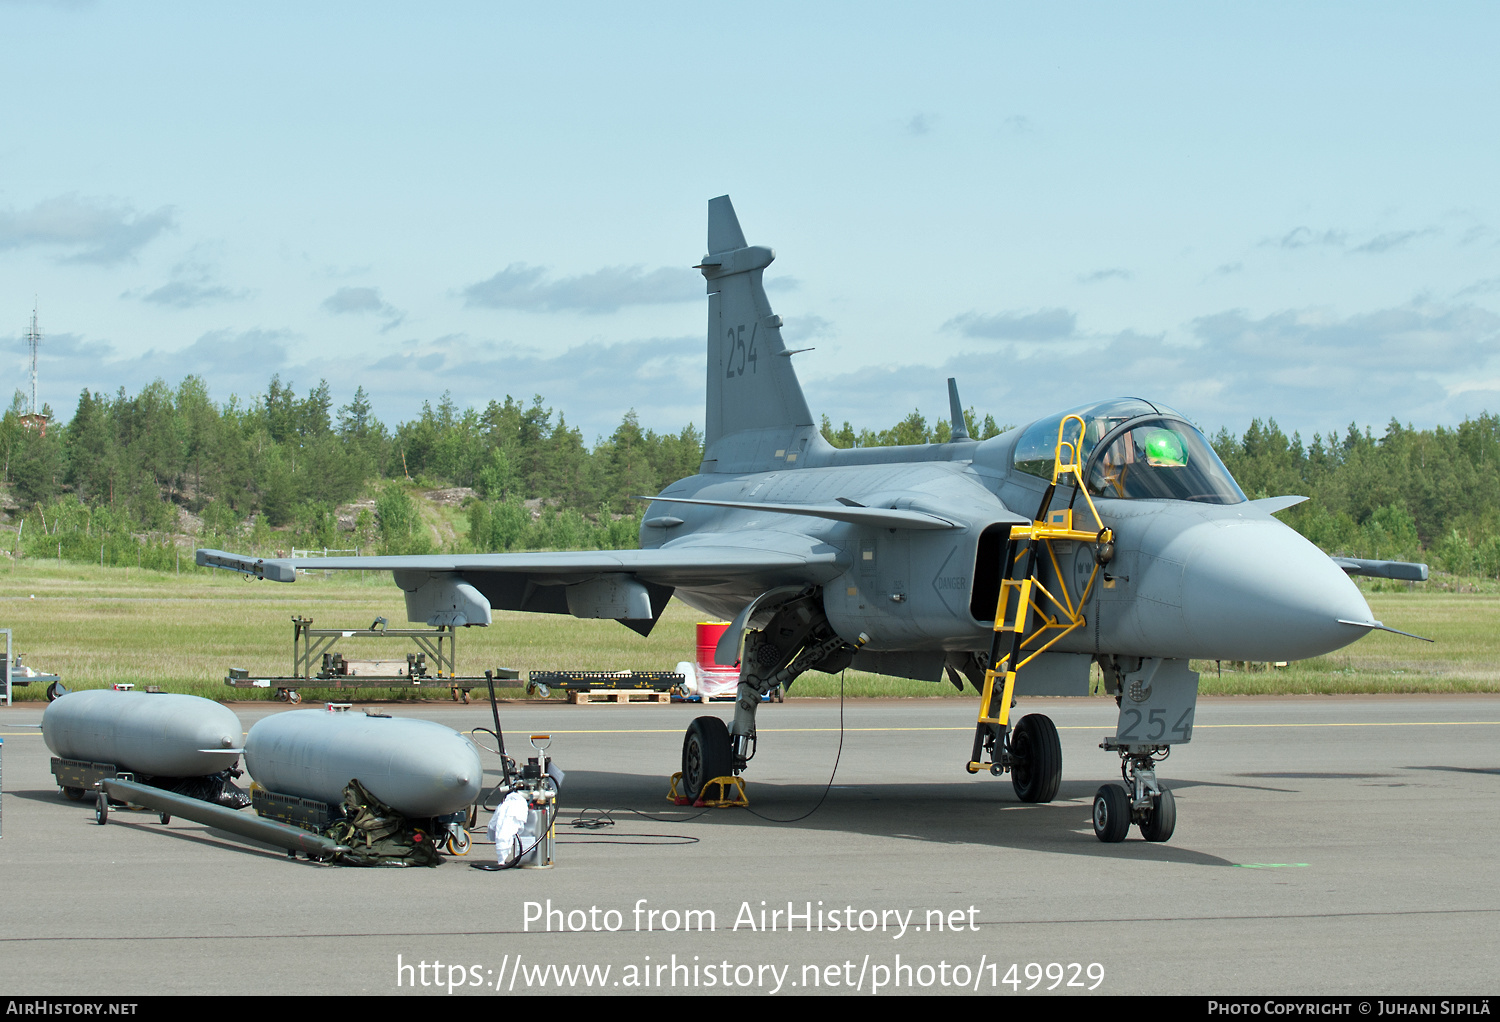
x,y
309,644
9,664
439,648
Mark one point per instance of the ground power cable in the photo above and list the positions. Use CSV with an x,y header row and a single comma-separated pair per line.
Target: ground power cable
x,y
583,821
769,819
827,787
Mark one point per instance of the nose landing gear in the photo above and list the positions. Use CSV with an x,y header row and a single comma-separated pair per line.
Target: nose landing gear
x,y
1157,700
1141,800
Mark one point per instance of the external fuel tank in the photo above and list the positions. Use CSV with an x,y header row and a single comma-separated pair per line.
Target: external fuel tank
x,y
153,734
417,767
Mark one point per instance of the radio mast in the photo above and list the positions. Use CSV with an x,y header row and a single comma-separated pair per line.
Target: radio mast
x,y
34,419
33,339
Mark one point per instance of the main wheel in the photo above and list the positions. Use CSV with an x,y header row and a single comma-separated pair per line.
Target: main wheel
x,y
101,808
1163,819
165,818
1037,770
1111,813
705,755
72,794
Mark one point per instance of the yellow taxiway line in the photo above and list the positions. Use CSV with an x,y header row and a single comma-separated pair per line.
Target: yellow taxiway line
x,y
965,729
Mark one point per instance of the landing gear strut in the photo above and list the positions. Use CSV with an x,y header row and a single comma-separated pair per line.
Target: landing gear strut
x,y
797,639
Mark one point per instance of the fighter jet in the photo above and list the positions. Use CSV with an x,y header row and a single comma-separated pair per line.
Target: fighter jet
x,y
1107,534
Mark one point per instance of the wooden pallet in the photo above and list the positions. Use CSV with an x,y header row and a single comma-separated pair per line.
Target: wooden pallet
x,y
618,696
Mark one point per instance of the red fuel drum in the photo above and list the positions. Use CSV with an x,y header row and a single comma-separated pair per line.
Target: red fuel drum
x,y
709,633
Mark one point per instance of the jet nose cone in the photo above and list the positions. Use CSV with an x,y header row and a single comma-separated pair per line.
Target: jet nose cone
x,y
1256,590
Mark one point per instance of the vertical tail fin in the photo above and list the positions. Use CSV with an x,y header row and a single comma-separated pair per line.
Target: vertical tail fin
x,y
959,429
756,417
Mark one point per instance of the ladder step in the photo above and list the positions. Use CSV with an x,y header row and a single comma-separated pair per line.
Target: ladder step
x,y
1022,587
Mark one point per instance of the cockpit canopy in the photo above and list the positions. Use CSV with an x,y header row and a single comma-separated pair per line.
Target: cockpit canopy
x,y
1133,449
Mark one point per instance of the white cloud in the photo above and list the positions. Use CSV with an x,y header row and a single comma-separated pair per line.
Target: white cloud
x,y
921,124
1306,237
1310,369
99,231
354,299
231,361
593,385
193,284
361,300
1113,273
806,327
1480,287
1044,325
186,294
1392,239
520,286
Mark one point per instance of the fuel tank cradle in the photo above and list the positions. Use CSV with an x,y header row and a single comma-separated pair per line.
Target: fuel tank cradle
x,y
154,734
416,767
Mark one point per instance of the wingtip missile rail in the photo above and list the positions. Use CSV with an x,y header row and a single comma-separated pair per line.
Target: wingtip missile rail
x,y
1404,571
259,567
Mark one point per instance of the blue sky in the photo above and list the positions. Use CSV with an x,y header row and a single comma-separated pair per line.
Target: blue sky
x,y
1271,209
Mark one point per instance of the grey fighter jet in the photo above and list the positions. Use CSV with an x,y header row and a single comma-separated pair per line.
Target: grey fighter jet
x,y
1109,534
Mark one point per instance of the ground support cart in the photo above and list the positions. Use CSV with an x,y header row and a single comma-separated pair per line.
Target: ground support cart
x,y
315,665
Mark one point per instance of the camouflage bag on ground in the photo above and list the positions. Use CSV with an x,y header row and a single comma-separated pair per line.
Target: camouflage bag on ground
x,y
377,835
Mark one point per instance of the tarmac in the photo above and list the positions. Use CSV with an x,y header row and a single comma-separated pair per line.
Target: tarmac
x,y
1324,845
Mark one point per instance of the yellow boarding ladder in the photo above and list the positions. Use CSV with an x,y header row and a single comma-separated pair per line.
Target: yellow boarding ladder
x,y
1035,617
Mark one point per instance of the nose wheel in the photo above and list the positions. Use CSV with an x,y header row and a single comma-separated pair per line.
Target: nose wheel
x,y
1111,814
1161,818
1141,800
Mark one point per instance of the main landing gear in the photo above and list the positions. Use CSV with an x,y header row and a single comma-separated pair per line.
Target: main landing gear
x,y
1035,759
797,638
705,755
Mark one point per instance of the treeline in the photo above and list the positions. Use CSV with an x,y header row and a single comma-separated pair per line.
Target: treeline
x,y
914,429
1431,494
116,482
130,465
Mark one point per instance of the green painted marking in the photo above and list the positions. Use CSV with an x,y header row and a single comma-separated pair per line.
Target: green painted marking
x,y
1269,865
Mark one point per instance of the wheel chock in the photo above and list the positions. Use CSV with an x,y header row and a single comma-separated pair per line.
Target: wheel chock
x,y
724,801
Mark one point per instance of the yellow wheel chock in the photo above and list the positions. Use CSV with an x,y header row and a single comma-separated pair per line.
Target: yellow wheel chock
x,y
725,799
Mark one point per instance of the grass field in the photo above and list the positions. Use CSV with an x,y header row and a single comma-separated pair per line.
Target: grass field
x,y
95,626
